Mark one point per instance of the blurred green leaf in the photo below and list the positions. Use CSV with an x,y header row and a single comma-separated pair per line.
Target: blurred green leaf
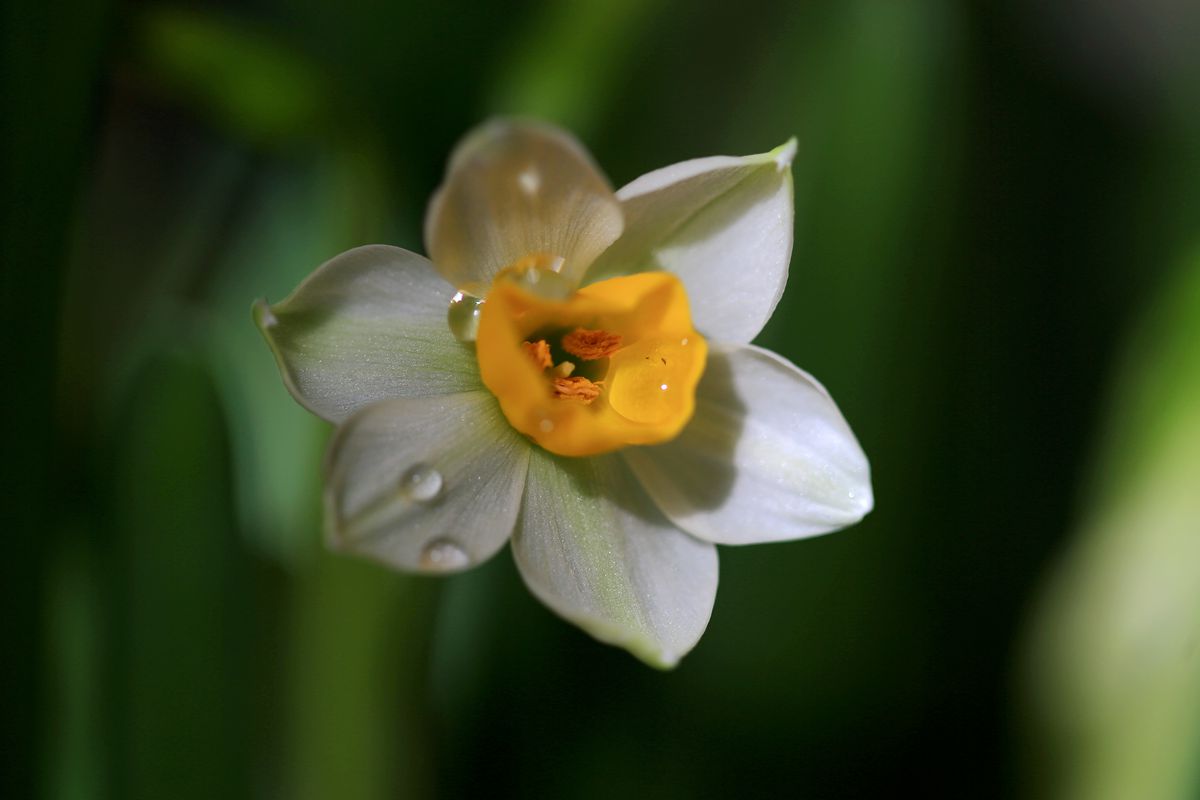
x,y
182,667
247,81
571,59
359,639
1115,668
51,58
74,768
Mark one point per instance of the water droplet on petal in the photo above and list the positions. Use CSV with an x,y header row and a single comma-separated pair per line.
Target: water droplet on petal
x,y
539,275
529,180
442,555
645,380
463,316
421,483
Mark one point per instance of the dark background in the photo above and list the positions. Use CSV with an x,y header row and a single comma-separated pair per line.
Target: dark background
x,y
995,201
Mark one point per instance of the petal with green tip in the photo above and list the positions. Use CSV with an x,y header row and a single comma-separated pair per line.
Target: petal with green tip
x,y
368,325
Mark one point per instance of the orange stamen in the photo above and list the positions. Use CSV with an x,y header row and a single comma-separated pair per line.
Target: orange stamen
x,y
591,345
539,351
576,388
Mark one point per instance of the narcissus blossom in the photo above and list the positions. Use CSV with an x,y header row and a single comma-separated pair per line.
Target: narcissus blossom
x,y
571,370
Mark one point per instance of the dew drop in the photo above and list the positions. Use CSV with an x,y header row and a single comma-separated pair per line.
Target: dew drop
x,y
463,316
421,483
539,275
645,380
443,555
530,181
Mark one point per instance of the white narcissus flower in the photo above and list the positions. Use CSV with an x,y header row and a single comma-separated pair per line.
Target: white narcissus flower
x,y
542,380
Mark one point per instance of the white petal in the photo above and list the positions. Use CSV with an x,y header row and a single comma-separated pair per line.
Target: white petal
x,y
767,456
425,483
594,549
368,325
724,226
515,189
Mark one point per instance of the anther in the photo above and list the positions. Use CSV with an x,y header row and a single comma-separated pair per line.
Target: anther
x,y
576,388
539,351
591,345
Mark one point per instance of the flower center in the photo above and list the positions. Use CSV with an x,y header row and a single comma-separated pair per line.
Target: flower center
x,y
613,364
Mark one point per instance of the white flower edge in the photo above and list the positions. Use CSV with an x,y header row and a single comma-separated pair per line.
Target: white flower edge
x,y
767,456
425,484
592,547
723,224
515,188
368,325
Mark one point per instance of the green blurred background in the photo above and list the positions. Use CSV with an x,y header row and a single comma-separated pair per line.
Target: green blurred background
x,y
996,273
